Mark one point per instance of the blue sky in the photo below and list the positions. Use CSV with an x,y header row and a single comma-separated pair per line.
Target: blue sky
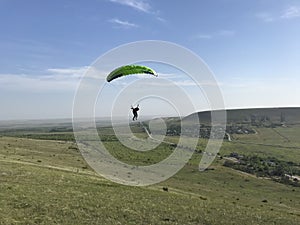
x,y
252,46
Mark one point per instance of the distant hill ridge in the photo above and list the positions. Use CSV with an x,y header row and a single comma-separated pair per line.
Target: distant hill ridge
x,y
286,115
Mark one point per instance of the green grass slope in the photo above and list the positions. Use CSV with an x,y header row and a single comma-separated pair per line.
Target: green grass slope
x,y
48,182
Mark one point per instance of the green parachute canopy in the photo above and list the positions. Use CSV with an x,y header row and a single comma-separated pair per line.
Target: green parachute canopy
x,y
129,70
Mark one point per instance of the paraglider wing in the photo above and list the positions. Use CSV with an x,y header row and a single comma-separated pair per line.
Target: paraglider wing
x,y
129,70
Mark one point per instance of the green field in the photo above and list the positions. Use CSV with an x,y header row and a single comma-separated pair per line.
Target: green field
x,y
45,180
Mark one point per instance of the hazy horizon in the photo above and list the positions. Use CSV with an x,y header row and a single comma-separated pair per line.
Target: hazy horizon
x,y
141,118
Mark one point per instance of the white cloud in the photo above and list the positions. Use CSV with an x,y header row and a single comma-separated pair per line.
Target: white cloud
x,y
226,33
203,36
219,33
51,80
157,83
123,23
291,12
77,72
139,5
162,20
265,16
64,72
142,6
17,82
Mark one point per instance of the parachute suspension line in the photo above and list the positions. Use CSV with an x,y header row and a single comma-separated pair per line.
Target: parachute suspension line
x,y
116,87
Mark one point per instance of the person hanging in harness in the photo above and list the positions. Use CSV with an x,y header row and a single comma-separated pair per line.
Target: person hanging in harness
x,y
134,111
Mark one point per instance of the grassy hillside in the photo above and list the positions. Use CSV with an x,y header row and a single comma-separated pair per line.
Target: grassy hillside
x,y
45,180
